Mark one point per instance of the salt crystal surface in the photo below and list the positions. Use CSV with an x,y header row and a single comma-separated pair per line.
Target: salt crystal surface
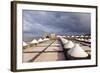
x,y
77,51
70,44
40,40
34,41
24,44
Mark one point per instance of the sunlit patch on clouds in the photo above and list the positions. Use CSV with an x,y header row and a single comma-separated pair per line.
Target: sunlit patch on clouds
x,y
36,23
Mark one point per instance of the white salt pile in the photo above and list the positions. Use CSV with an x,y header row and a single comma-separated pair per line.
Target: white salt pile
x,y
70,44
72,36
24,44
77,36
34,41
64,41
82,39
45,39
40,40
77,51
79,39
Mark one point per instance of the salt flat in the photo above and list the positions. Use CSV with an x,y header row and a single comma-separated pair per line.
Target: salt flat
x,y
51,50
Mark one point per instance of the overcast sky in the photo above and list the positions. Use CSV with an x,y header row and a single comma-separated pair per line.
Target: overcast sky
x,y
35,23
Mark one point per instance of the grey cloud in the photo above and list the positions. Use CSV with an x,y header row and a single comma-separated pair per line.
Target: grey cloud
x,y
38,22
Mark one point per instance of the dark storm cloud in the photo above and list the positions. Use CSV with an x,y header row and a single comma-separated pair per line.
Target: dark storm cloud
x,y
38,22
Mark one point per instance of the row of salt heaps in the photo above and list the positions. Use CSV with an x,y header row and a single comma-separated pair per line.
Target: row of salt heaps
x,y
39,41
36,41
74,49
86,40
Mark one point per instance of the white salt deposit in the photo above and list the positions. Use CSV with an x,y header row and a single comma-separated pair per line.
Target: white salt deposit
x,y
34,41
24,44
72,36
77,36
82,36
79,39
77,51
64,41
82,39
40,40
70,44
45,39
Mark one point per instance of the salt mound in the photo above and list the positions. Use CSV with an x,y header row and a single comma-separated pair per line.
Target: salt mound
x,y
61,38
45,39
77,51
34,41
64,41
79,39
70,44
82,39
40,40
24,44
